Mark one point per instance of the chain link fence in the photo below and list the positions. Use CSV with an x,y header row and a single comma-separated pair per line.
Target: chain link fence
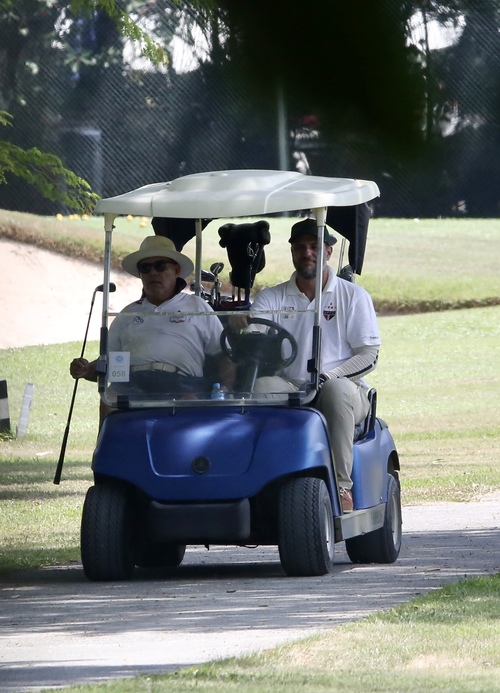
x,y
121,124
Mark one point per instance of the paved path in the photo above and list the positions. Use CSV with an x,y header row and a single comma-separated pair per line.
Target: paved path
x,y
56,628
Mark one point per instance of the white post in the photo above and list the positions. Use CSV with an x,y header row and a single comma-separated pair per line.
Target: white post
x,y
4,409
25,410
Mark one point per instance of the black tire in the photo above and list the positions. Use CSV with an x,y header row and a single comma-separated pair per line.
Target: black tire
x,y
306,538
106,534
384,544
160,556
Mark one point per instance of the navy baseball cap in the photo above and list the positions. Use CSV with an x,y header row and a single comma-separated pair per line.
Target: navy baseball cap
x,y
309,226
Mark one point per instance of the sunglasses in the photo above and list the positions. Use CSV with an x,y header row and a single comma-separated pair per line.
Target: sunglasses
x,y
158,266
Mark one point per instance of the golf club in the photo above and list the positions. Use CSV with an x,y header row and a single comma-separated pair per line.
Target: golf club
x,y
57,476
216,268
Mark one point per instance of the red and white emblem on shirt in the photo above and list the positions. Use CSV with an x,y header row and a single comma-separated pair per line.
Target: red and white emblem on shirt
x,y
330,311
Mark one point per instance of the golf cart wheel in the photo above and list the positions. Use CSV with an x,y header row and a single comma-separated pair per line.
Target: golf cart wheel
x,y
384,544
306,532
106,534
166,555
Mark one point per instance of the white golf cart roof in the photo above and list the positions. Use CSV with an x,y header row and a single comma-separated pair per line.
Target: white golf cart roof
x,y
238,193
195,199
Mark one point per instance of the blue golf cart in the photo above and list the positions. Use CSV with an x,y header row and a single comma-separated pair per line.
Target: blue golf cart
x,y
235,467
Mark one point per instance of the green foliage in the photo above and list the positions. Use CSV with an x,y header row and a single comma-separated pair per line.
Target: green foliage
x,y
126,26
43,170
46,172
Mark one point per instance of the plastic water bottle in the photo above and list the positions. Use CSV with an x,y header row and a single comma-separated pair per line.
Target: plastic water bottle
x,y
217,392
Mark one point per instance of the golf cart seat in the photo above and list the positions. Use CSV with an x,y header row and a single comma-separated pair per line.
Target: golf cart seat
x,y
363,429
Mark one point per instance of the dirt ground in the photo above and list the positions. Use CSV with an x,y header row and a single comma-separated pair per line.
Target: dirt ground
x,y
47,296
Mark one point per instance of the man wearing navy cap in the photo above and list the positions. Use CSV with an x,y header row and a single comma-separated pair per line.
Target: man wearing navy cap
x,y
350,343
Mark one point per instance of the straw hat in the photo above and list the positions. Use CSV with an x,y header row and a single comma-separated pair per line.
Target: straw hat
x,y
157,246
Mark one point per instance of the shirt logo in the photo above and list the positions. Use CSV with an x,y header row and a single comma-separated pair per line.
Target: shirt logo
x,y
138,319
288,313
330,311
178,317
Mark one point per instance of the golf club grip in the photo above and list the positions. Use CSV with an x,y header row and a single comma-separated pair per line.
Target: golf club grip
x,y
57,475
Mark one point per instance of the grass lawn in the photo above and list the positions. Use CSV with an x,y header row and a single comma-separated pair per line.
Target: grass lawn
x,y
426,264
433,371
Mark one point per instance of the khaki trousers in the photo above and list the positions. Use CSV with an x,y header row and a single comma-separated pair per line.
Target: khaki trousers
x,y
344,404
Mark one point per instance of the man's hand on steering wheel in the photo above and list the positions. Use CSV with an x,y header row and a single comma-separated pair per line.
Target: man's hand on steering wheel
x,y
244,345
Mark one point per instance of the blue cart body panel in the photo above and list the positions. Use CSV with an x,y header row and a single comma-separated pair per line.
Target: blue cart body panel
x,y
207,454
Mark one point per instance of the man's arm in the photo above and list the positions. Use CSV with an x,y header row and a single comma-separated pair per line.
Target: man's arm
x,y
357,366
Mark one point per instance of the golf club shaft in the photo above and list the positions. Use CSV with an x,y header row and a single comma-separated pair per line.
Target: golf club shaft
x,y
88,325
57,476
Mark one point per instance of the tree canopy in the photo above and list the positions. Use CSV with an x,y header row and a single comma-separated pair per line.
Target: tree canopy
x,y
45,170
346,62
359,89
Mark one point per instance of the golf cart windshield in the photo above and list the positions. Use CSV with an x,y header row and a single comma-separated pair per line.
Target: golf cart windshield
x,y
220,362
223,350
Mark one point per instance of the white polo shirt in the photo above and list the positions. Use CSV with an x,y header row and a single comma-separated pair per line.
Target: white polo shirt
x,y
167,333
348,321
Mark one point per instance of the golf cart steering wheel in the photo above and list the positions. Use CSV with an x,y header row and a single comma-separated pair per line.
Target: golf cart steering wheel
x,y
259,349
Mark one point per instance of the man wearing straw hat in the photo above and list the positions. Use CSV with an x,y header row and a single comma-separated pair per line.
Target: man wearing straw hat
x,y
168,332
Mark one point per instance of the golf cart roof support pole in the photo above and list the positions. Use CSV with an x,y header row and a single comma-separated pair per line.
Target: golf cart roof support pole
x,y
320,216
198,252
108,230
103,345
